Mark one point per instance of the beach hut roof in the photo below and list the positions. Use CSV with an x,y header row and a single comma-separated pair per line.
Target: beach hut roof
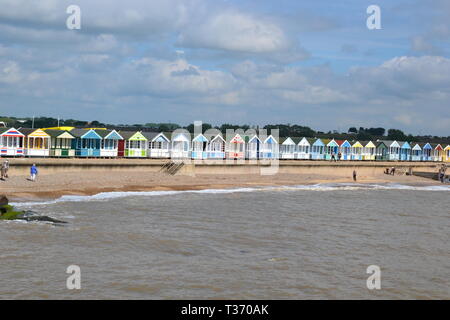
x,y
237,138
425,145
217,137
380,143
447,147
287,141
304,142
251,138
391,143
271,139
318,142
345,144
154,135
357,144
437,146
200,138
85,133
26,131
332,143
369,144
416,146
109,134
126,135
11,132
181,136
405,145
54,133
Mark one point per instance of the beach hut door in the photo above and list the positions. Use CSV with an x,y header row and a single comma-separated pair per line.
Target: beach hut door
x,y
121,148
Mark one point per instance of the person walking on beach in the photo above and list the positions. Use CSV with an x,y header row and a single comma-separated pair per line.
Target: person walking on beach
x,y
4,170
339,156
333,157
6,164
354,175
33,172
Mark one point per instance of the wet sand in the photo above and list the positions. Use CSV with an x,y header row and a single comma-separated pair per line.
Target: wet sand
x,y
51,184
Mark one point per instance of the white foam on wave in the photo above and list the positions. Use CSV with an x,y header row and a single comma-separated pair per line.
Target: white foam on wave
x,y
313,187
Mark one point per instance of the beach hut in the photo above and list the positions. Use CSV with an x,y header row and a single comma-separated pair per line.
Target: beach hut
x,y
438,152
357,149
318,150
381,151
304,149
180,145
235,147
270,148
427,151
158,145
134,146
332,148
109,146
369,150
393,149
416,152
345,148
288,148
37,142
252,147
447,153
405,151
216,147
199,147
61,143
87,142
11,142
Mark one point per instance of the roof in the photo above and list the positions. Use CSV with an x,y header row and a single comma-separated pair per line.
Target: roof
x,y
78,133
127,134
150,135
229,139
56,133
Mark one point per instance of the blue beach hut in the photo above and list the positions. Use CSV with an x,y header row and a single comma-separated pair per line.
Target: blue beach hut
x,y
346,150
318,150
405,152
87,142
427,152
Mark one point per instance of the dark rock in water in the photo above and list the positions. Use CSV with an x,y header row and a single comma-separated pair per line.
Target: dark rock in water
x,y
32,216
3,201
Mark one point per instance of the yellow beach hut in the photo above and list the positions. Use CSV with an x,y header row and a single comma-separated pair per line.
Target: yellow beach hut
x,y
37,142
447,153
357,149
369,151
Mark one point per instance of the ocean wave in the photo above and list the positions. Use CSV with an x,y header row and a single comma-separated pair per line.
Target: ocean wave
x,y
313,187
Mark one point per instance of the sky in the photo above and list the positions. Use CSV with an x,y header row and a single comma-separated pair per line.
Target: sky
x,y
312,63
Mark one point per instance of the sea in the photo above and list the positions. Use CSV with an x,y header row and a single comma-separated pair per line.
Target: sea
x,y
324,241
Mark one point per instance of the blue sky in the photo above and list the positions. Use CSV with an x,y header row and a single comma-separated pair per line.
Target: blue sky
x,y
312,63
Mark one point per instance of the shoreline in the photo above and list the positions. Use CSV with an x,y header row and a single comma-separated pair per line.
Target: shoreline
x,y
59,177
73,183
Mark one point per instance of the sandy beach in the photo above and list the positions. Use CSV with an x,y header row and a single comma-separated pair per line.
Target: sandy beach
x,y
55,181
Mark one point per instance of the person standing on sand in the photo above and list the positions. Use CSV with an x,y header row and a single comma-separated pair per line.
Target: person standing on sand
x,y
3,172
354,175
33,172
6,164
